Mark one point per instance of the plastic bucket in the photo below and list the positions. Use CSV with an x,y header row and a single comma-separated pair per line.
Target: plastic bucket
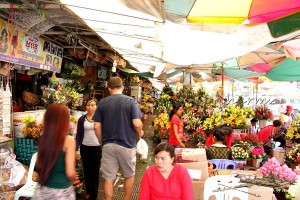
x,y
279,154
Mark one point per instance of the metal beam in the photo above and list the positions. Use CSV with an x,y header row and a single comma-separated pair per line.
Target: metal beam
x,y
64,32
45,6
73,47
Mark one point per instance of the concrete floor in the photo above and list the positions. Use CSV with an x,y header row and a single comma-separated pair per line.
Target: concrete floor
x,y
140,168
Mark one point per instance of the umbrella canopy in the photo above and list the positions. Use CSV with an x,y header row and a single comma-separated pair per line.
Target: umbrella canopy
x,y
145,34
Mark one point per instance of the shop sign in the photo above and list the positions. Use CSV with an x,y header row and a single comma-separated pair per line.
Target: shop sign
x,y
19,47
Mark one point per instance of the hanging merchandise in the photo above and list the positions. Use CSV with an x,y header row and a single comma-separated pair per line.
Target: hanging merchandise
x,y
6,112
1,105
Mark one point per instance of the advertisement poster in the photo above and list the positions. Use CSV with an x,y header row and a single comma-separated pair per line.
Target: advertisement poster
x,y
19,47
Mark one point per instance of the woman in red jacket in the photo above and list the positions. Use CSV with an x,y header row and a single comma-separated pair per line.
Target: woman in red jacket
x,y
166,179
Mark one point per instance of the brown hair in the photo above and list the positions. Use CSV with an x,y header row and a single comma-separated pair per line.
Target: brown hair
x,y
50,144
221,133
164,146
91,99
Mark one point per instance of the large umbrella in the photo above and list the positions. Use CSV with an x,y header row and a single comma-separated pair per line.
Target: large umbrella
x,y
145,38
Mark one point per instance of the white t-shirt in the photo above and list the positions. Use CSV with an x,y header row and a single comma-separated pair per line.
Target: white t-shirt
x,y
90,138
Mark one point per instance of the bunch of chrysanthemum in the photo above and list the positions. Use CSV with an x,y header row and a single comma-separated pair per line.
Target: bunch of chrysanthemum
x,y
32,129
238,153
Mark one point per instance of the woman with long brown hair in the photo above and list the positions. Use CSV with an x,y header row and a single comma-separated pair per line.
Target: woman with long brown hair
x,y
56,156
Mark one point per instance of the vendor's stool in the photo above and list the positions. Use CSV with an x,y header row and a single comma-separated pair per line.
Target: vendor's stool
x,y
223,163
30,186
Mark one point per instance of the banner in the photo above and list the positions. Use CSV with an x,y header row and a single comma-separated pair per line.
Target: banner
x,y
17,46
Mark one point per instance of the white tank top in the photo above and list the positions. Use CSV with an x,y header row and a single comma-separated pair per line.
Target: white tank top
x,y
90,138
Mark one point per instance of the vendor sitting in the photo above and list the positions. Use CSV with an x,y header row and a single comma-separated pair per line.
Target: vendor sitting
x,y
218,150
267,135
228,140
253,126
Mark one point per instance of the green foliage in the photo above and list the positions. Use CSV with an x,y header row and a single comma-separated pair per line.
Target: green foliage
x,y
168,90
240,102
72,71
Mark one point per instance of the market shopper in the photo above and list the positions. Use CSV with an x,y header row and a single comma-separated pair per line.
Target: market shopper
x,y
117,126
267,135
219,150
56,156
289,114
90,149
176,126
166,179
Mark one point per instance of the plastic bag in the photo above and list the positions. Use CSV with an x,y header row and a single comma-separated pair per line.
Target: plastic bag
x,y
142,148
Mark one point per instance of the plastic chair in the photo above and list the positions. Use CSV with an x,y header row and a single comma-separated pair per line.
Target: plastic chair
x,y
30,186
223,163
211,184
220,182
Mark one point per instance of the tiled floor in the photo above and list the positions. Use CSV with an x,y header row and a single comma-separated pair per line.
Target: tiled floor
x,y
140,168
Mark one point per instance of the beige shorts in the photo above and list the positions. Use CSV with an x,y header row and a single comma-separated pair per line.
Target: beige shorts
x,y
115,156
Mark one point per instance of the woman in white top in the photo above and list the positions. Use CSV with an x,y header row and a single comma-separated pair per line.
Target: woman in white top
x,y
90,149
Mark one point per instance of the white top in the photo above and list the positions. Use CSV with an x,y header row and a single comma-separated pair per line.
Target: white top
x,y
90,138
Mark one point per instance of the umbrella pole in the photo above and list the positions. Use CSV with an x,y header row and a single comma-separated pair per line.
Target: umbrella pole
x,y
256,91
222,81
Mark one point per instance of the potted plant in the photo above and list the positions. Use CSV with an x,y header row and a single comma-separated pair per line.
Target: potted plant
x,y
240,156
257,154
161,126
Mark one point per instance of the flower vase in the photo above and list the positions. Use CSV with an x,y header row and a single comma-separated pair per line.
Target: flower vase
x,y
263,123
256,162
240,164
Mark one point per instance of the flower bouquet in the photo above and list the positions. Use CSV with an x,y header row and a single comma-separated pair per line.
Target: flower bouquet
x,y
263,112
161,125
275,176
31,130
198,138
293,132
290,194
257,153
252,139
238,153
163,104
237,117
78,183
62,94
73,126
240,156
293,156
279,176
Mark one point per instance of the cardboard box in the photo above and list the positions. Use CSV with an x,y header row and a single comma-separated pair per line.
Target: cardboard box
x,y
198,167
198,189
185,155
